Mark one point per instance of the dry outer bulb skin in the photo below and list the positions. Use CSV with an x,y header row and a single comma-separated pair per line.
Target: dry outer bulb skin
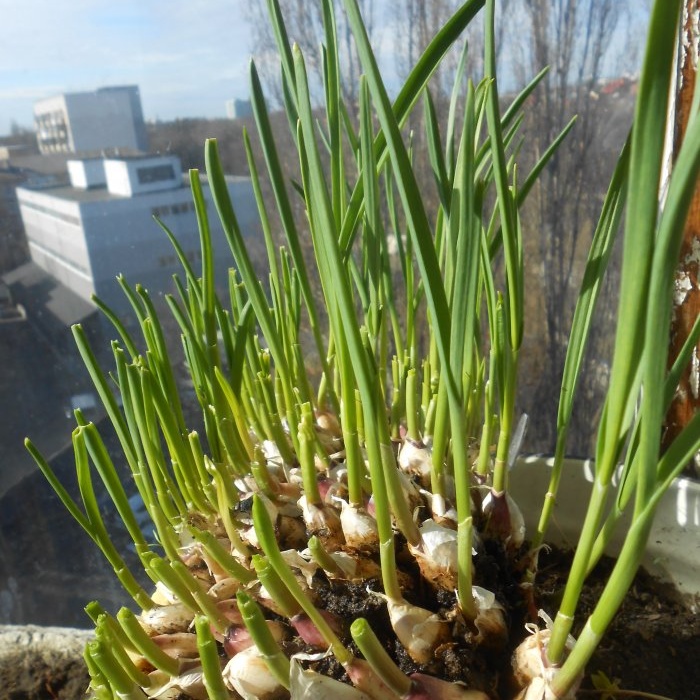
x,y
531,669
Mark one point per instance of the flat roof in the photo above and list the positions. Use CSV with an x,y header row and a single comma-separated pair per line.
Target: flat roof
x,y
102,194
75,194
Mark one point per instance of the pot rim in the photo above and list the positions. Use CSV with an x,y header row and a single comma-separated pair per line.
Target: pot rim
x,y
673,549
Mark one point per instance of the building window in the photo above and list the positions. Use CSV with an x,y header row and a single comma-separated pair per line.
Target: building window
x,y
155,173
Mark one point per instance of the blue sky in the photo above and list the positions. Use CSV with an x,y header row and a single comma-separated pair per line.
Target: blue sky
x,y
188,58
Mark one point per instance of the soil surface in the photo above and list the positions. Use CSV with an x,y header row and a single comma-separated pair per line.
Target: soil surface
x,y
653,645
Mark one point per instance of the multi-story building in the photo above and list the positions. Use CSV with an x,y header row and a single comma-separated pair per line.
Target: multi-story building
x,y
108,118
238,109
101,225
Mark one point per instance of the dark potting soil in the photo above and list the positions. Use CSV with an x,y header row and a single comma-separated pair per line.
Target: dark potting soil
x,y
653,645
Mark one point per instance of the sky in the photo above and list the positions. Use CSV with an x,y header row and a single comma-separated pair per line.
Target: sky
x,y
187,57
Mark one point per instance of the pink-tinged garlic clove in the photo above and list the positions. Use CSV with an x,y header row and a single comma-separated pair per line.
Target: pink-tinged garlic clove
x,y
431,688
504,518
308,631
365,679
179,645
238,638
229,609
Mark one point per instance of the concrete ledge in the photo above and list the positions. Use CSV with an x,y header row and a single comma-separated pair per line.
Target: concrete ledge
x,y
42,663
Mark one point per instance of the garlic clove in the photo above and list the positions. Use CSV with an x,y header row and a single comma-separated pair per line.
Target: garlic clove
x,y
419,630
308,631
437,556
306,567
415,458
225,589
324,522
179,645
365,679
504,518
248,674
431,688
165,687
359,528
166,619
531,668
238,638
309,685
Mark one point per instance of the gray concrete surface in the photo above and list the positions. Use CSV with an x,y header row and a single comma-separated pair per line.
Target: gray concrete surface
x,y
42,662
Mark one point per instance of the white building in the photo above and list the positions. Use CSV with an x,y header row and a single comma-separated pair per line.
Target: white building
x,y
101,225
238,109
108,118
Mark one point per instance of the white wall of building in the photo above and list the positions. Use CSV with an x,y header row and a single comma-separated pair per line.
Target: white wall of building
x,y
87,173
85,238
135,176
56,239
91,121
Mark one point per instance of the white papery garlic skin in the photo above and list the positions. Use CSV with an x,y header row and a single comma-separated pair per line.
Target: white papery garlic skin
x,y
418,630
415,458
437,556
324,522
531,668
165,687
166,619
490,619
359,528
309,685
248,674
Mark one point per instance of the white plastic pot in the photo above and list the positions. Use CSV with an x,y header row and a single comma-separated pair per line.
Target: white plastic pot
x,y
673,549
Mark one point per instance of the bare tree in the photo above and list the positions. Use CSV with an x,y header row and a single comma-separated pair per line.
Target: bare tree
x,y
579,40
304,23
